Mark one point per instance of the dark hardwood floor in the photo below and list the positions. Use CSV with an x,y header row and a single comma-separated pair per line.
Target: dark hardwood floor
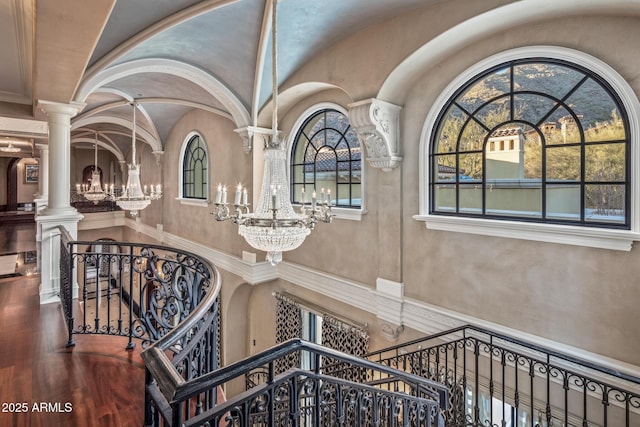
x,y
45,384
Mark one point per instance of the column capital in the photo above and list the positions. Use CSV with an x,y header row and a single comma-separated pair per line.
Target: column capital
x,y
250,133
70,109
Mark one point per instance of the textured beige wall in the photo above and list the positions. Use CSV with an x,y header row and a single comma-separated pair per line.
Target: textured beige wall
x,y
115,233
578,296
228,165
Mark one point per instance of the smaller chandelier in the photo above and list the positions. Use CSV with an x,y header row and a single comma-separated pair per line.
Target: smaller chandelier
x,y
94,193
134,197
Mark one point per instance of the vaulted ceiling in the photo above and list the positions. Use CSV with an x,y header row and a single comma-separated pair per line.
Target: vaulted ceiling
x,y
170,56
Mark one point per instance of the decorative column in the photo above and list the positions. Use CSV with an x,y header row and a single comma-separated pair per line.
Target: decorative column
x,y
43,181
43,196
59,211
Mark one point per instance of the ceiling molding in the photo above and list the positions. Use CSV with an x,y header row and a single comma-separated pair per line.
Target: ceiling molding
x,y
260,60
188,72
24,128
146,136
106,145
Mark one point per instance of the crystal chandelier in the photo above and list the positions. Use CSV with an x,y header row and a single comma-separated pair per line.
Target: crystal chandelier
x,y
274,226
134,198
95,193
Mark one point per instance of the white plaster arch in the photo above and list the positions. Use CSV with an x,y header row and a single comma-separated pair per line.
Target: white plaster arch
x,y
401,79
102,108
176,68
127,99
574,235
291,96
146,136
171,21
150,100
114,150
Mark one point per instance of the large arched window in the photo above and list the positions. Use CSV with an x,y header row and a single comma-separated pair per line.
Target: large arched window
x,y
326,155
194,182
533,139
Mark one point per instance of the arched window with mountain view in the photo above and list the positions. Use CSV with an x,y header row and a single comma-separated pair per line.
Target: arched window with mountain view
x,y
326,156
536,140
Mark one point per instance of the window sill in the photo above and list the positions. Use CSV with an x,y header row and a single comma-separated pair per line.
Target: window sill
x,y
350,214
193,202
620,240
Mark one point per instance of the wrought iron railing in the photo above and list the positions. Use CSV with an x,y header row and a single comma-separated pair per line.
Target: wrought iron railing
x,y
133,290
295,397
151,294
498,380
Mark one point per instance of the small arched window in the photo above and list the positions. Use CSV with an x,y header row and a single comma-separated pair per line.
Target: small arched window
x,y
326,155
567,157
195,169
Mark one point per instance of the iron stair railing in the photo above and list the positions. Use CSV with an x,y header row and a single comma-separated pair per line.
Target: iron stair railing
x,y
168,300
499,380
296,397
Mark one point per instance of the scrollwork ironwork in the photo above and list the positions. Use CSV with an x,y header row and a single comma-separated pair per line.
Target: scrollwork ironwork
x,y
525,379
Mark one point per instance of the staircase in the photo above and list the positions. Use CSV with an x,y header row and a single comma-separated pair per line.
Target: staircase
x,y
169,301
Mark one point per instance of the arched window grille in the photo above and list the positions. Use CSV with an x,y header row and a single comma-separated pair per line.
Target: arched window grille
x,y
536,140
194,169
326,155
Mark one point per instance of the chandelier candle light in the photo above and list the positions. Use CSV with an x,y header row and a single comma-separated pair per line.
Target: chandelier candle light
x,y
94,193
134,198
274,226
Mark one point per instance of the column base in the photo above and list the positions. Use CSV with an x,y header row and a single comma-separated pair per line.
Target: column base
x,y
59,212
48,296
49,232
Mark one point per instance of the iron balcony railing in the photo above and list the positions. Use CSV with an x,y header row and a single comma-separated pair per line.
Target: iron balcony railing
x,y
150,294
168,300
296,397
498,380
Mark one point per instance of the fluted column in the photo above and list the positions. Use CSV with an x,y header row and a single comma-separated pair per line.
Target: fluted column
x,y
59,211
59,120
